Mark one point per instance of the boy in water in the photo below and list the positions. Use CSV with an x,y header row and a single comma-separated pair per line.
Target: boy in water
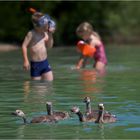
x,y
37,40
89,36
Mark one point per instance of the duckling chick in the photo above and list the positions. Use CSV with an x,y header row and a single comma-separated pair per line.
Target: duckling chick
x,y
40,119
82,118
104,118
58,115
92,112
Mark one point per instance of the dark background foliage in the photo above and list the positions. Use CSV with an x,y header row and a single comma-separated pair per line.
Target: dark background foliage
x,y
115,21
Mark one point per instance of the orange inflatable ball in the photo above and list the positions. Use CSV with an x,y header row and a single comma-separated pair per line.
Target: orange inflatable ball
x,y
86,49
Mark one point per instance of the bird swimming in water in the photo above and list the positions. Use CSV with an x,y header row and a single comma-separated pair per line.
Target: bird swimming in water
x,y
104,118
40,119
82,118
90,112
58,115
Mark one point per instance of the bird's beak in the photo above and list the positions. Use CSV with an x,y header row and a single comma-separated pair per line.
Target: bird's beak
x,y
72,110
14,113
84,101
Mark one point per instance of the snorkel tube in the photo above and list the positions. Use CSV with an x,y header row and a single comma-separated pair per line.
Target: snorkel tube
x,y
32,10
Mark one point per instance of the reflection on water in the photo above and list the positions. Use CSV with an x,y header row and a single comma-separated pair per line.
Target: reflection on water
x,y
91,81
101,131
20,132
37,91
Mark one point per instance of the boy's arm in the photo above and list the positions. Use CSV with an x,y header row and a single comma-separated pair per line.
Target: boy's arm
x,y
26,64
50,41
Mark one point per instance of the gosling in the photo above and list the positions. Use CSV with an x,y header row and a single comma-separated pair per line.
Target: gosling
x,y
92,112
104,118
58,115
40,119
80,115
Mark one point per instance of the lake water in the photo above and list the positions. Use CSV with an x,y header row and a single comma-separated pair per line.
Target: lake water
x,y
118,89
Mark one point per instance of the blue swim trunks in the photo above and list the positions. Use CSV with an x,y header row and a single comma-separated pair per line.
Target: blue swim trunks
x,y
38,68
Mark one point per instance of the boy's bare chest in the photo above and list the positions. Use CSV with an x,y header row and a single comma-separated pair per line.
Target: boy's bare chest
x,y
37,38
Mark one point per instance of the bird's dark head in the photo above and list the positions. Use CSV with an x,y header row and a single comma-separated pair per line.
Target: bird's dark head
x,y
75,109
18,113
86,100
49,103
101,106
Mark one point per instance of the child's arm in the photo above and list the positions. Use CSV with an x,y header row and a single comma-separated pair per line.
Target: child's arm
x,y
81,63
49,42
26,64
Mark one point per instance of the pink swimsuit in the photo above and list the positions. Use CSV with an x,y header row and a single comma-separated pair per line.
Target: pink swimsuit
x,y
100,54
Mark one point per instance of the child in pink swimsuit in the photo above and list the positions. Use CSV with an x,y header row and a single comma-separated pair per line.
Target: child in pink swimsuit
x,y
86,32
100,55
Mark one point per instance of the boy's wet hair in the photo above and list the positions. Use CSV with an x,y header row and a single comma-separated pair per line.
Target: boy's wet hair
x,y
35,18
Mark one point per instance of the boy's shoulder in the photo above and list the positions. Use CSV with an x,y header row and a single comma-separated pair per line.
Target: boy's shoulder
x,y
30,33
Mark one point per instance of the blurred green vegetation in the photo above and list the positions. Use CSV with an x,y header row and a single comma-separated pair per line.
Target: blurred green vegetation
x,y
115,21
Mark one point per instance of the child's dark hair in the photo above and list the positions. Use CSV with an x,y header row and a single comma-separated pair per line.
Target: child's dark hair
x,y
35,18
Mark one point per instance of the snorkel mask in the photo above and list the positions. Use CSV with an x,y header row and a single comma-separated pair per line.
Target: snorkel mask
x,y
46,20
43,21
